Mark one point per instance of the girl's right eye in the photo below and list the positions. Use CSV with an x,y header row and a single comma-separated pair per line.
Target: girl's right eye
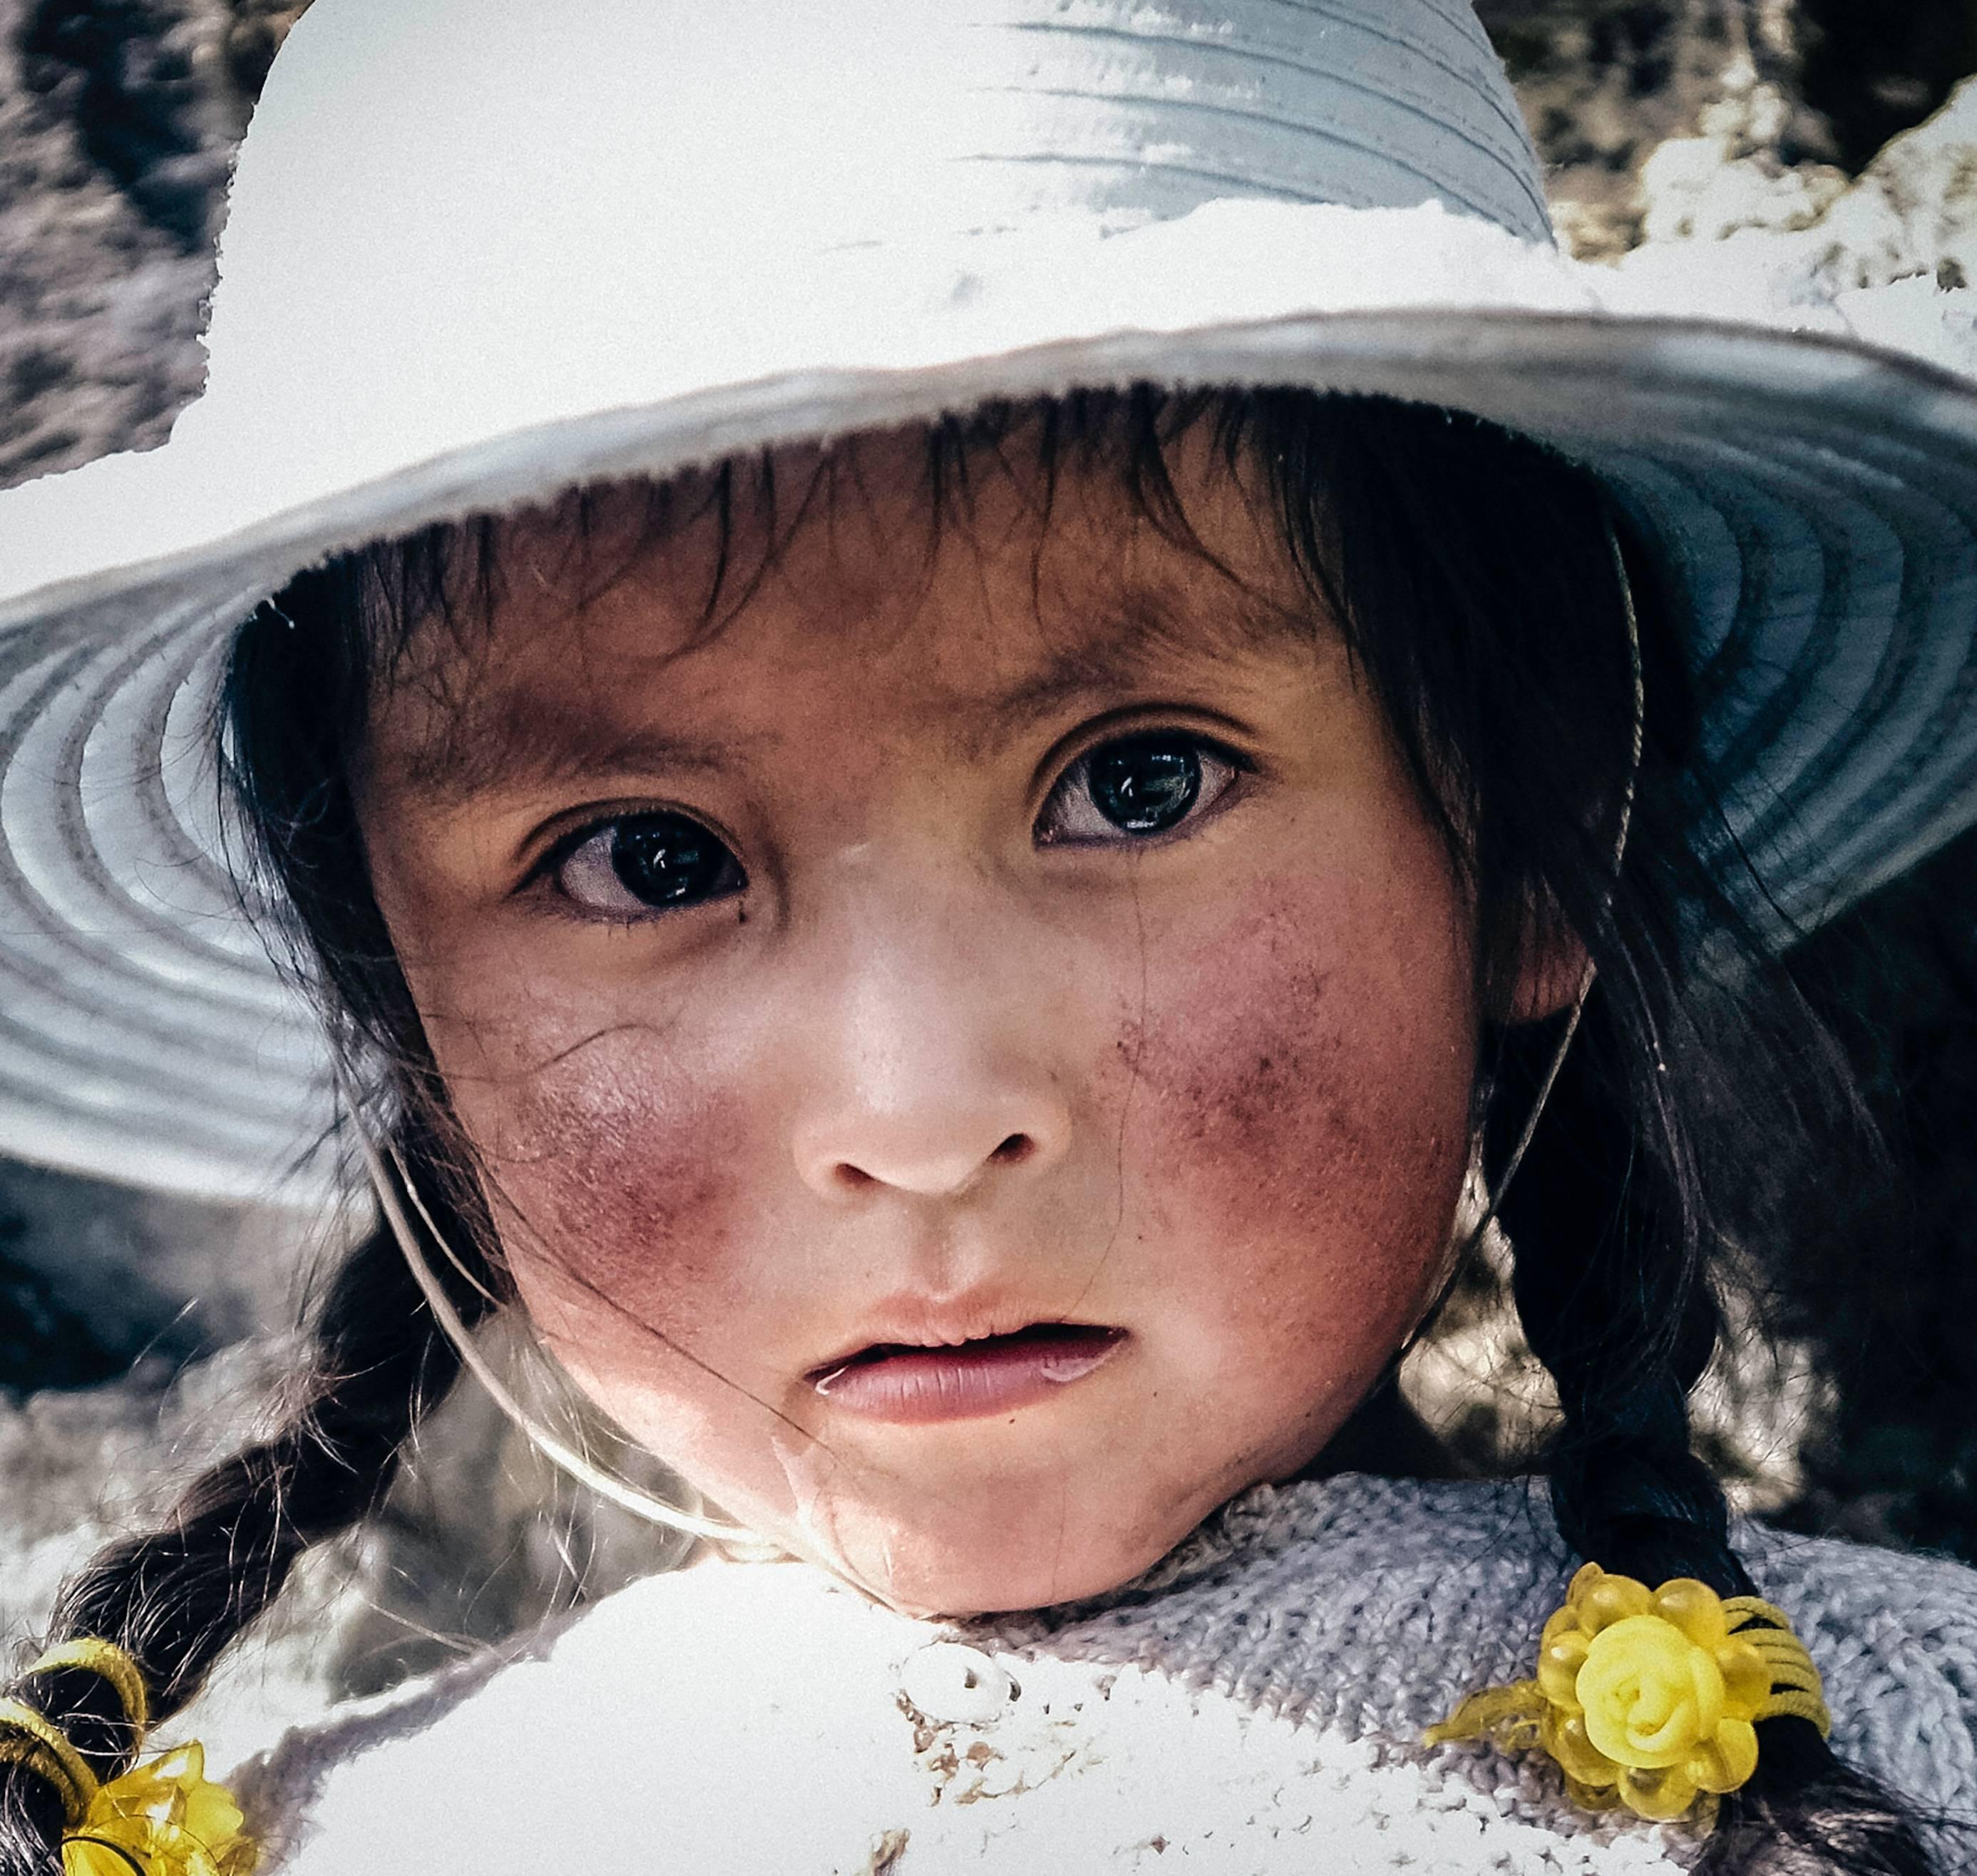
x,y
641,864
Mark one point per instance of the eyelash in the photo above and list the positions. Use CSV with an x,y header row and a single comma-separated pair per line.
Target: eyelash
x,y
1207,754
1214,768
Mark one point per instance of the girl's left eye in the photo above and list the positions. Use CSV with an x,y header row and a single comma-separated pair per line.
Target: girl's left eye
x,y
1139,786
642,863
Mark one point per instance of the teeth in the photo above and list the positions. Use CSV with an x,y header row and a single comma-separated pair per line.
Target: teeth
x,y
1071,1367
1066,1367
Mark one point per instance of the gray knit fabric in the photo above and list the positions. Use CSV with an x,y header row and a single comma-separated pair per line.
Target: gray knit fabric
x,y
1252,1705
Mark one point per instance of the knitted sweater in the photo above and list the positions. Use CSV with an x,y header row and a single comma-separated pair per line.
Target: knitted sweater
x,y
1254,1704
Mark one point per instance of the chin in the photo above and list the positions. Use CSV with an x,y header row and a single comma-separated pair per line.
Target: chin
x,y
1026,1563
964,1587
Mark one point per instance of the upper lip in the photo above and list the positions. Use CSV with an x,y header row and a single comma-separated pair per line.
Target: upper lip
x,y
923,1323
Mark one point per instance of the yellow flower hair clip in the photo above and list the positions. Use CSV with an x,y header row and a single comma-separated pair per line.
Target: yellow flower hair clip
x,y
1650,1698
165,1818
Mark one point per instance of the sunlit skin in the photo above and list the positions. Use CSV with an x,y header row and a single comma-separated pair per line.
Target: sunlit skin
x,y
961,1056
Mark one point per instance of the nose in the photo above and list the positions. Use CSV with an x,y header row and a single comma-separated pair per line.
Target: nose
x,y
936,1150
932,1056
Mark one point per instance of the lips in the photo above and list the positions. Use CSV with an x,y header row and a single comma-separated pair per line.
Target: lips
x,y
914,1384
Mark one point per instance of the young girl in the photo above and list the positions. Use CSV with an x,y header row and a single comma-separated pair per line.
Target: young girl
x,y
973,729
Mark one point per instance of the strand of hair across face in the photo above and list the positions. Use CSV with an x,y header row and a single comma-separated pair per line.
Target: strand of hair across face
x,y
558,1451
737,1539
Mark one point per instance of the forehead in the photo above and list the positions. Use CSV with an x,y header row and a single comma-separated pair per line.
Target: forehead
x,y
1012,588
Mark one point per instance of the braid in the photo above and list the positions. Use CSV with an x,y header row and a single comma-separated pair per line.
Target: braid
x,y
175,1599
1615,1302
1612,1285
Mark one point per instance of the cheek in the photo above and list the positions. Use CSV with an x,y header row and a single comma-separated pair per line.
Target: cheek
x,y
1303,1084
618,1192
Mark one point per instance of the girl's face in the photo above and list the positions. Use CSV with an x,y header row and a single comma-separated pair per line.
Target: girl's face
x,y
972,1059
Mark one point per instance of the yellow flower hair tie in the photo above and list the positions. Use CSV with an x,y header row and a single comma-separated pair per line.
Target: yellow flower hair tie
x,y
28,1737
1650,1698
111,1663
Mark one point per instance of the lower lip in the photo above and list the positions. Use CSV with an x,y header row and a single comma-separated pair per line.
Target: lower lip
x,y
997,1374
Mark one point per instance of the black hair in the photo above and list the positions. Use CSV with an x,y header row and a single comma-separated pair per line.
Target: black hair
x,y
1479,580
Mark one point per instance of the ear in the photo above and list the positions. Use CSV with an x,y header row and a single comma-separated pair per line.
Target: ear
x,y
1543,973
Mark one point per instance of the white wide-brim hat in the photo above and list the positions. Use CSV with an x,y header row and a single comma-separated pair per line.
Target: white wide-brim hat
x,y
480,249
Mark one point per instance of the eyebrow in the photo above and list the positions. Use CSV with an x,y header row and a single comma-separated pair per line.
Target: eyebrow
x,y
519,743
524,744
1143,621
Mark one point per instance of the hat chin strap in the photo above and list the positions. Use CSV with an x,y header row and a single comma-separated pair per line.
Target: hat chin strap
x,y
388,1183
390,1177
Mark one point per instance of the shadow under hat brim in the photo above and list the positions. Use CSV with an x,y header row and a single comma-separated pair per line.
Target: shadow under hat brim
x,y
1814,500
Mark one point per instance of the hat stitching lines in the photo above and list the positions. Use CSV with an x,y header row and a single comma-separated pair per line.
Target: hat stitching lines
x,y
55,969
143,744
1432,112
1819,659
187,719
1927,672
165,1072
1646,487
1139,162
1462,24
1900,694
1944,803
1910,691
111,681
185,1061
1788,603
1145,159
215,1005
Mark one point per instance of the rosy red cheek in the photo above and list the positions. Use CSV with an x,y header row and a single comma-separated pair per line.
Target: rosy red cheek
x,y
628,1191
1285,1101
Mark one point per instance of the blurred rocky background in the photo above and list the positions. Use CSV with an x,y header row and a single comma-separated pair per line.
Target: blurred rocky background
x,y
138,1336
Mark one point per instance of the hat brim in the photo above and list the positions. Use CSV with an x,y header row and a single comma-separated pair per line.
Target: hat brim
x,y
1815,500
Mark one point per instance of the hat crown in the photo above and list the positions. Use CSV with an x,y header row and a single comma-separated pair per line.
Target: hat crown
x,y
451,218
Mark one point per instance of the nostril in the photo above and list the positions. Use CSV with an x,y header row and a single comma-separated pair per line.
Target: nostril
x,y
952,1175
